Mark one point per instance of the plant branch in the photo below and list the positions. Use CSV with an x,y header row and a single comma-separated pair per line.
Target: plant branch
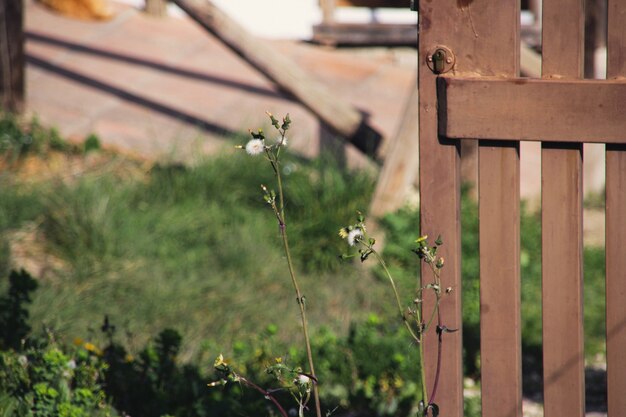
x,y
266,394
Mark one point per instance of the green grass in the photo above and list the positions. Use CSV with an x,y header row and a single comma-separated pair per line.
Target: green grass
x,y
195,249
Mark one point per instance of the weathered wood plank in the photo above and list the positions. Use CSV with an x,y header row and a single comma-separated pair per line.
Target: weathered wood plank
x,y
399,171
12,58
365,34
616,228
561,219
340,116
499,241
527,109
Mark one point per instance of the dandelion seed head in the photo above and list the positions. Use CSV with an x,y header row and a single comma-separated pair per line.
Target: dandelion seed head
x,y
302,380
354,236
255,147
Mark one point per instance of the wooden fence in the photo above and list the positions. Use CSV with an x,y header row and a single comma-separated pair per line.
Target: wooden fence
x,y
469,89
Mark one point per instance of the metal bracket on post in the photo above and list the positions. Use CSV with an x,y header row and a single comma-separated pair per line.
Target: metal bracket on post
x,y
440,59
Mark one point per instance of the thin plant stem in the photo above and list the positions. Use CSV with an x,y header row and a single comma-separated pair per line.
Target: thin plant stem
x,y
397,296
439,349
280,214
301,304
423,372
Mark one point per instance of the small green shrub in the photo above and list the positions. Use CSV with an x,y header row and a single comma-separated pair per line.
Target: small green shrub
x,y
19,138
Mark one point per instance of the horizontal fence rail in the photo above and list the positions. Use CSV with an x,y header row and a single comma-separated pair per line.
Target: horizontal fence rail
x,y
531,109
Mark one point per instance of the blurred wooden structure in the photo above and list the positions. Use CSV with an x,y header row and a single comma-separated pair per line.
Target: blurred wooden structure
x,y
341,117
156,8
470,90
12,59
332,32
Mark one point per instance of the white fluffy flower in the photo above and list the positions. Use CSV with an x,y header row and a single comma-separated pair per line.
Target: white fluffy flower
x,y
354,235
302,380
255,147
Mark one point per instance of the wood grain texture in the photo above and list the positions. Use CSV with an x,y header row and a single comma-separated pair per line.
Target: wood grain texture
x,y
340,116
616,228
476,32
535,110
499,241
561,199
500,297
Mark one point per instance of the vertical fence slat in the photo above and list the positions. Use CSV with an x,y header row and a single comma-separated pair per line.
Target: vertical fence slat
x,y
616,228
501,365
499,237
561,196
440,201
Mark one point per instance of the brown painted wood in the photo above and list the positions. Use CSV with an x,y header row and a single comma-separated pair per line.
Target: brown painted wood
x,y
563,354
476,32
616,278
440,201
12,58
500,299
340,116
616,228
499,241
561,198
399,171
527,109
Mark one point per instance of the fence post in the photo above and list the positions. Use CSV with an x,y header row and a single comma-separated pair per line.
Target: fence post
x,y
482,42
561,220
12,56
